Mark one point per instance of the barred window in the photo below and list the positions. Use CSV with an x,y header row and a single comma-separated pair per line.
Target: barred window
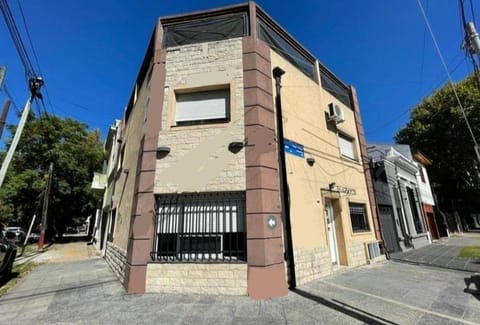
x,y
201,227
358,217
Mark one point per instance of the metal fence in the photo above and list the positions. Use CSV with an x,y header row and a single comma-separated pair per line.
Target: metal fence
x,y
200,227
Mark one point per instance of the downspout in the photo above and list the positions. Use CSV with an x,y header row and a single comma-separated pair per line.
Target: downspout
x,y
284,197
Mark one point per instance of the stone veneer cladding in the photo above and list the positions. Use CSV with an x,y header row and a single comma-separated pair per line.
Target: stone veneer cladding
x,y
116,258
311,264
357,254
193,66
215,279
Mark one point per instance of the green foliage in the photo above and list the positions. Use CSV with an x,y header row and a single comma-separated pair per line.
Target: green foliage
x,y
76,154
437,128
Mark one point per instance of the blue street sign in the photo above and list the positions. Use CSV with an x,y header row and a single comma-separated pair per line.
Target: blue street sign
x,y
294,148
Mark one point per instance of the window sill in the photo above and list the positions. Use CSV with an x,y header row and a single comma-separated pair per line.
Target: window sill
x,y
350,160
361,232
200,126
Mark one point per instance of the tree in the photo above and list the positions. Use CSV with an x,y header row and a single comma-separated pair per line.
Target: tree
x,y
76,154
438,129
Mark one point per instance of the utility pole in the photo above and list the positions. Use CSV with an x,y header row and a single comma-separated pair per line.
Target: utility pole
x,y
43,225
35,84
473,46
3,116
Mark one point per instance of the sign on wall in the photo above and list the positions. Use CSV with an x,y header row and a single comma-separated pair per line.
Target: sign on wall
x,y
293,148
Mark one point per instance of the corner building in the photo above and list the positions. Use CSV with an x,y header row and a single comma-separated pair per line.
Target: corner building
x,y
242,167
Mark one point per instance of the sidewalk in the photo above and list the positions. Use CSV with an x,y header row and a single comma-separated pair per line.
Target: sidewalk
x,y
86,292
443,253
60,252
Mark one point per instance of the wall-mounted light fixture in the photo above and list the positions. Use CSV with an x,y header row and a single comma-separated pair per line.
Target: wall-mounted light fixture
x,y
235,146
331,186
162,151
310,161
126,170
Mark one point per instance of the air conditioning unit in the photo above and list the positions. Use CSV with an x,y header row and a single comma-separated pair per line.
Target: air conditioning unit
x,y
335,113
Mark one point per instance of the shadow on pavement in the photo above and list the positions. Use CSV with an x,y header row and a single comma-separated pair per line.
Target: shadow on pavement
x,y
475,281
4,280
346,309
91,285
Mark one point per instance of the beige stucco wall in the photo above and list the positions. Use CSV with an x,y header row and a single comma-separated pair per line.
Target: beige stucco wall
x,y
132,134
304,107
199,159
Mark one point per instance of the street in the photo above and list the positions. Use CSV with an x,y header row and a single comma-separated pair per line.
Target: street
x,y
84,291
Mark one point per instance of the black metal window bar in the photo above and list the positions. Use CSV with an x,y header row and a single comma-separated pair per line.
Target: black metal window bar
x,y
200,227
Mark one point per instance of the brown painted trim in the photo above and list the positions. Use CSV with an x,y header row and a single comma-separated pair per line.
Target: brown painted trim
x,y
266,282
143,204
365,162
252,15
266,269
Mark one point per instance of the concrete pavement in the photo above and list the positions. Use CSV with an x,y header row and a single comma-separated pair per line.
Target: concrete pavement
x,y
444,253
74,249
85,291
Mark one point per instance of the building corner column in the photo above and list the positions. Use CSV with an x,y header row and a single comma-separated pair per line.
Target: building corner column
x,y
143,204
266,276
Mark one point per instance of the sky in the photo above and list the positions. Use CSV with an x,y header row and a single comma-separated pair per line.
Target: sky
x,y
90,51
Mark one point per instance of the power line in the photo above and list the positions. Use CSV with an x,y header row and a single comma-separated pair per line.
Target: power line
x,y
473,12
28,36
34,54
449,77
436,85
17,40
9,95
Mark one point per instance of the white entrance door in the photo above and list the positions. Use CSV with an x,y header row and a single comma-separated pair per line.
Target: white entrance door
x,y
332,238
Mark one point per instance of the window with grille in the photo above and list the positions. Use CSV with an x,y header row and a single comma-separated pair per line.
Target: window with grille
x,y
200,227
358,217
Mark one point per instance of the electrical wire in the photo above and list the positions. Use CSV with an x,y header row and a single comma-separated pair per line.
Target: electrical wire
x,y
34,54
407,110
28,36
473,12
9,95
448,73
17,40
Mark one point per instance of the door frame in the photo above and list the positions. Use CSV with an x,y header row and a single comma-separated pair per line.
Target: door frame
x,y
331,231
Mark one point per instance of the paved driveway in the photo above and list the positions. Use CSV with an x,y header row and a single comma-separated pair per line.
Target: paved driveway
x,y
443,253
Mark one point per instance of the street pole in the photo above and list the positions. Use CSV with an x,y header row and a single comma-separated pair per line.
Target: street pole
x,y
3,117
474,46
16,138
43,225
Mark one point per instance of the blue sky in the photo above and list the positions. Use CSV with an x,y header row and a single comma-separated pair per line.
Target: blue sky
x,y
90,51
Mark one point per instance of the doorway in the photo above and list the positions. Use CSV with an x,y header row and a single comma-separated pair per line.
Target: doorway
x,y
389,229
332,237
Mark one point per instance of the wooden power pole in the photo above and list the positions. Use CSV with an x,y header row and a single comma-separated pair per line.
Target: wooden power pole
x,y
43,225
